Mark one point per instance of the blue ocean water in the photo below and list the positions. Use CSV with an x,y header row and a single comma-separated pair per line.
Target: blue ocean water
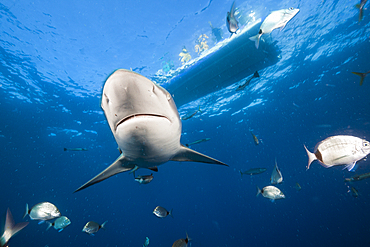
x,y
55,57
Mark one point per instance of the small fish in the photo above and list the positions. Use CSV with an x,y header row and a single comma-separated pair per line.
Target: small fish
x,y
146,243
270,192
360,6
217,32
59,224
197,142
191,115
161,212
10,228
241,87
276,177
255,139
75,149
92,227
354,192
144,179
362,75
339,150
358,177
42,211
274,20
298,186
231,22
182,242
253,171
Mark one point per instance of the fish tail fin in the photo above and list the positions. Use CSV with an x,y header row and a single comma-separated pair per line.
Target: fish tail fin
x,y
187,237
258,191
170,213
65,149
256,74
10,228
256,39
351,167
362,75
102,226
26,213
49,225
311,157
241,173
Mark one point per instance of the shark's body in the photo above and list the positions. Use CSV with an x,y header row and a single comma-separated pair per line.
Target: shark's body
x,y
145,123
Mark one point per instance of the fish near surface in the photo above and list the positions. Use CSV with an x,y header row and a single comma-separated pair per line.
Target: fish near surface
x,y
10,228
231,22
145,124
339,150
274,20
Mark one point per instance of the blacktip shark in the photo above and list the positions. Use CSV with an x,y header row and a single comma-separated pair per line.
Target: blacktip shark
x,y
145,124
274,20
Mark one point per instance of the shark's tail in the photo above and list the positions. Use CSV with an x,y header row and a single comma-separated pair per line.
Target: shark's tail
x,y
256,39
10,229
362,75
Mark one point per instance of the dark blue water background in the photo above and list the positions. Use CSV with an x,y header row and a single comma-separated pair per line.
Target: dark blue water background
x,y
54,60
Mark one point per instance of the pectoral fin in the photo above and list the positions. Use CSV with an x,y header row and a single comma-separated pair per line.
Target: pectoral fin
x,y
187,154
118,166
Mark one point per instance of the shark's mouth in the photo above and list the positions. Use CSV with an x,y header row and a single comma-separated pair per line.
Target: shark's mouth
x,y
140,115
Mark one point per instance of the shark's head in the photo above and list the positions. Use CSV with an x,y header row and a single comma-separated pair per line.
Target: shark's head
x,y
141,115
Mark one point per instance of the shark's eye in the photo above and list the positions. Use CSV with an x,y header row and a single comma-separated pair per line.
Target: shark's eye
x,y
291,8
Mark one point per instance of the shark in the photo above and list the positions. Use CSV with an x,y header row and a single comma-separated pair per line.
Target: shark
x,y
145,124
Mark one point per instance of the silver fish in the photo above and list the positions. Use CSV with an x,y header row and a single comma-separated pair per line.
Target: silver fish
x,y
42,211
276,177
274,20
271,192
75,149
144,179
60,223
358,177
182,242
231,22
10,228
197,142
252,171
92,227
161,212
339,150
